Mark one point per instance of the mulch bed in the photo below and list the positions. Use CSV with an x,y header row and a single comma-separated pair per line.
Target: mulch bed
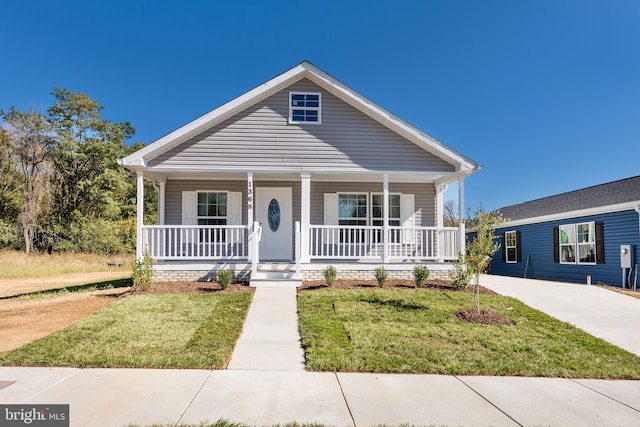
x,y
434,285
191,288
628,292
485,317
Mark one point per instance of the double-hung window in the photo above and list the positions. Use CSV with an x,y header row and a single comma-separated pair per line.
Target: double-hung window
x,y
352,210
377,217
511,246
212,210
305,107
586,236
361,209
580,243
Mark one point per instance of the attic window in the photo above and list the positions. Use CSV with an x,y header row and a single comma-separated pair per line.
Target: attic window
x,y
304,107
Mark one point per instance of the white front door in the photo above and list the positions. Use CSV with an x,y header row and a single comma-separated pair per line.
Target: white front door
x,y
273,210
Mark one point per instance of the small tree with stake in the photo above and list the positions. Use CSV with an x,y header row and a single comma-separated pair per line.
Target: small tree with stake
x,y
482,247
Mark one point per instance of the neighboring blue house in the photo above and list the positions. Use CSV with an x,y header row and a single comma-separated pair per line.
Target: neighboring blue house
x,y
593,232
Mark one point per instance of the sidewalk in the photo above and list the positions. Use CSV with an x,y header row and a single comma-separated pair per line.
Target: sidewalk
x,y
265,385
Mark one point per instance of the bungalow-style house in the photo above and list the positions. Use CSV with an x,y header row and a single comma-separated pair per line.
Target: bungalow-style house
x,y
588,235
297,174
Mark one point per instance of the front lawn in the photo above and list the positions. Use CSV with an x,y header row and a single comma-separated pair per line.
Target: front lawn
x,y
414,331
146,331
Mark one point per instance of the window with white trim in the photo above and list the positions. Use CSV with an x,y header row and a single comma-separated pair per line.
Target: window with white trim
x,y
352,209
212,208
305,107
577,243
511,246
377,208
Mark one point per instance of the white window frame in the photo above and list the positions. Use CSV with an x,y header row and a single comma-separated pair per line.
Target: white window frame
x,y
507,234
367,218
199,217
381,219
576,244
591,243
305,108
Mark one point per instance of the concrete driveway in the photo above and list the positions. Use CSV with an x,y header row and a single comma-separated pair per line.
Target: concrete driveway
x,y
605,314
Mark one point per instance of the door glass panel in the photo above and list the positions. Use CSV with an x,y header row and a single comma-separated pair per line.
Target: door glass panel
x,y
273,215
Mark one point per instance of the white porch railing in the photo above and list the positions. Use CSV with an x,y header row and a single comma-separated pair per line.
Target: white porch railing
x,y
367,243
196,242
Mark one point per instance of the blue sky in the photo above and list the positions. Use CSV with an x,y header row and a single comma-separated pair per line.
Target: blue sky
x,y
544,94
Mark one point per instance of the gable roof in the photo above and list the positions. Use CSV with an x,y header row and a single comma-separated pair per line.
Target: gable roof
x,y
139,159
617,195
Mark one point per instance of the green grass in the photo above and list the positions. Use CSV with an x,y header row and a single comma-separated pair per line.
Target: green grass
x,y
18,265
145,331
414,331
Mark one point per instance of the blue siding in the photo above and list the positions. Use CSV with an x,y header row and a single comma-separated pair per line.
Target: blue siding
x,y
620,228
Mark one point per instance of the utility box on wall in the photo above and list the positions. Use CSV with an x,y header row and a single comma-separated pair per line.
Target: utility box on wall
x,y
625,256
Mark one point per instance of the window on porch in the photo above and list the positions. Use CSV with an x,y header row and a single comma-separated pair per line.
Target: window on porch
x,y
352,210
212,210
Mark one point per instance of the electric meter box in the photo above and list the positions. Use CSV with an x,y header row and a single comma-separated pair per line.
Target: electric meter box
x,y
625,256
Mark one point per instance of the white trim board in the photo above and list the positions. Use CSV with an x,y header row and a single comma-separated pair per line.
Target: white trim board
x,y
572,214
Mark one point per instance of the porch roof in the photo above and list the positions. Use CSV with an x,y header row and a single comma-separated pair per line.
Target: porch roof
x,y
325,176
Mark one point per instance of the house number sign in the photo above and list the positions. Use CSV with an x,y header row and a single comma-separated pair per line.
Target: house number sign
x,y
249,195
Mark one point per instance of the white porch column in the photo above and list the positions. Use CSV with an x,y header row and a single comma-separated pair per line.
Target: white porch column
x,y
250,215
305,215
140,215
440,189
161,198
385,218
461,227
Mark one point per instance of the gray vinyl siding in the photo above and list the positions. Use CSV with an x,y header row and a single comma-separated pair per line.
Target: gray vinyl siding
x,y
174,189
424,196
424,203
260,138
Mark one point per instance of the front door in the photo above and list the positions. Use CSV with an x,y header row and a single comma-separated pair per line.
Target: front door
x,y
273,210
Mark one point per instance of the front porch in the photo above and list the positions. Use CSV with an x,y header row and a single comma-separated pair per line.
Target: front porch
x,y
184,252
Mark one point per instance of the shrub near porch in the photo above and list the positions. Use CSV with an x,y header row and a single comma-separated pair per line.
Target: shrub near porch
x,y
414,331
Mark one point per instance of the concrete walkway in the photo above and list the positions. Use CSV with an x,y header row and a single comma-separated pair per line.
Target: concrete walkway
x,y
270,338
603,313
265,386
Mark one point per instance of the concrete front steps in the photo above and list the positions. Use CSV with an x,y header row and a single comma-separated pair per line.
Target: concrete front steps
x,y
276,275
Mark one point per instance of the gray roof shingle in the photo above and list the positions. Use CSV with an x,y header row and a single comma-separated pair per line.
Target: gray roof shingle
x,y
611,193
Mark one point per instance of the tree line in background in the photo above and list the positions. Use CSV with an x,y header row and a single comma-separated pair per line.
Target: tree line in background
x,y
61,188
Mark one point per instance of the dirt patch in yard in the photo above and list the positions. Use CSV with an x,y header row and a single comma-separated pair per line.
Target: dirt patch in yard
x,y
23,321
485,317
